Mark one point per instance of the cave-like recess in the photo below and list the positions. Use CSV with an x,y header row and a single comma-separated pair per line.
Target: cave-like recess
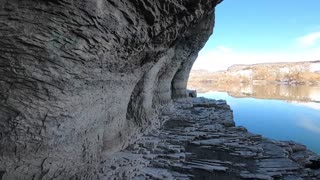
x,y
81,79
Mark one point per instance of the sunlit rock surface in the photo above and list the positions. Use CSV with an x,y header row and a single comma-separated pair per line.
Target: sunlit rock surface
x,y
199,141
82,79
290,73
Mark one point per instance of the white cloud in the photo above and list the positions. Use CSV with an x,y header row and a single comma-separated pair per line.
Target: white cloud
x,y
309,40
222,57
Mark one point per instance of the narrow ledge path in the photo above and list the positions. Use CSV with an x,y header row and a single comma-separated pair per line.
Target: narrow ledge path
x,y
199,140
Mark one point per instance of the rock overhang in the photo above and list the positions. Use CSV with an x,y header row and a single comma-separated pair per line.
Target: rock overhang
x,y
80,79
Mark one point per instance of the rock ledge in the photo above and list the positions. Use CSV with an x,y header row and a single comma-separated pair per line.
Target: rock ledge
x,y
200,141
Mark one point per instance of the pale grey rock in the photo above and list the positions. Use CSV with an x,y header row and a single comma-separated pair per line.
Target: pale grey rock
x,y
209,142
202,152
297,147
206,167
83,79
158,173
256,176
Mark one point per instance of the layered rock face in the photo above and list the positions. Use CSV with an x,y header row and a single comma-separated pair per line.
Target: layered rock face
x,y
200,141
82,79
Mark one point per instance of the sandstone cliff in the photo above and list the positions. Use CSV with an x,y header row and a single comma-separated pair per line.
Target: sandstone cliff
x,y
82,79
307,73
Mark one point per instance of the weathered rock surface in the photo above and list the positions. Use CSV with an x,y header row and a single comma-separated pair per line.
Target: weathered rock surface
x,y
82,79
199,141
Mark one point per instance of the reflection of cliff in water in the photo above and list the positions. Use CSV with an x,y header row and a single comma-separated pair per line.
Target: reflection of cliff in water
x,y
271,91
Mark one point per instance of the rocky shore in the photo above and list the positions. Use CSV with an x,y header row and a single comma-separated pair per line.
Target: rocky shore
x,y
199,140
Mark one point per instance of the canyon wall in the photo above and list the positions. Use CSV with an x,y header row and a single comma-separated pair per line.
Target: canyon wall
x,y
303,73
82,79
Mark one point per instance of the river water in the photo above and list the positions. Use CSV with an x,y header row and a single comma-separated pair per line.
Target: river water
x,y
279,112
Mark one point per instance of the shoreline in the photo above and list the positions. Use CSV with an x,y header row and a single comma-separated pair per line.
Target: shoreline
x,y
200,141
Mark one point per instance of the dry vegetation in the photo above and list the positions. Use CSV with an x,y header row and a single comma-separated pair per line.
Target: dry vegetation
x,y
281,73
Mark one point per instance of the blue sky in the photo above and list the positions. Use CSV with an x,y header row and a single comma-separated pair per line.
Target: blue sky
x,y
259,31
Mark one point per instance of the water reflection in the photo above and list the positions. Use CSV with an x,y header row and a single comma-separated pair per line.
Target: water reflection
x,y
298,93
276,111
312,105
310,125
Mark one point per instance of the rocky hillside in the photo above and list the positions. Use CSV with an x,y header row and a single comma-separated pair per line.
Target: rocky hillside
x,y
279,73
82,79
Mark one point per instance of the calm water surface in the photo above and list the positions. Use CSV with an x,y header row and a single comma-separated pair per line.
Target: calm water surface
x,y
277,112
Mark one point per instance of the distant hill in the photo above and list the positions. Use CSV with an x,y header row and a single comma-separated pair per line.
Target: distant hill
x,y
307,73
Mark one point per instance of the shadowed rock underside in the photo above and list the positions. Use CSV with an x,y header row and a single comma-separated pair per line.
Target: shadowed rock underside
x,y
83,79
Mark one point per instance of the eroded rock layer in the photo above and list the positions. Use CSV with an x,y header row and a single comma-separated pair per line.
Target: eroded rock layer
x,y
84,78
200,141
